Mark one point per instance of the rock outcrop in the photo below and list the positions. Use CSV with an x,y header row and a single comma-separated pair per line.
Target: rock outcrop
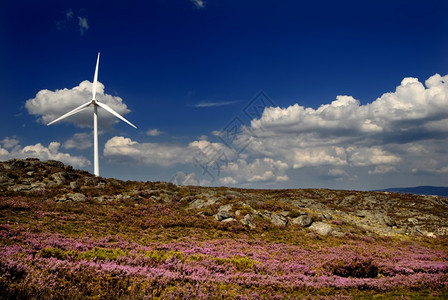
x,y
319,211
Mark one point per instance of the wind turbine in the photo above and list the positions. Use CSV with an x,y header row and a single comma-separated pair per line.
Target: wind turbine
x,y
95,103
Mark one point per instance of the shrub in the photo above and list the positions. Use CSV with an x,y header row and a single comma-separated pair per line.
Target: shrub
x,y
357,267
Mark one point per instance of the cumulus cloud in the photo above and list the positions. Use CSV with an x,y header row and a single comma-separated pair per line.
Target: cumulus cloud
x,y
49,105
9,143
410,106
154,132
383,170
41,152
401,132
259,170
79,141
125,150
389,132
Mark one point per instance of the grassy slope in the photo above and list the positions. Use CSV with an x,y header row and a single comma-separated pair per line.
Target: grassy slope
x,y
139,247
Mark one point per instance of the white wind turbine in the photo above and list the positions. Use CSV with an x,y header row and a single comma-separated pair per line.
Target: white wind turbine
x,y
95,104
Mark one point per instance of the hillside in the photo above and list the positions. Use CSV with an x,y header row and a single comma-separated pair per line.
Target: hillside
x,y
67,234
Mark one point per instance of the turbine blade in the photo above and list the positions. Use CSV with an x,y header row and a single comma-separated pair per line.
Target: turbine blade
x,y
72,112
95,78
114,113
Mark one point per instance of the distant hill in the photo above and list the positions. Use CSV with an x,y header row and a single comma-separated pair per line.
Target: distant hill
x,y
441,191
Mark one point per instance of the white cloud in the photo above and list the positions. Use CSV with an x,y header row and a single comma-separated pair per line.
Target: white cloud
x,y
125,150
258,170
9,143
79,141
154,132
43,153
83,25
410,105
362,156
49,105
337,173
227,180
345,132
383,170
182,178
198,3
213,104
334,156
401,132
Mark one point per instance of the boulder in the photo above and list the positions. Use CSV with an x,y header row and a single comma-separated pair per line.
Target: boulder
x,y
72,197
20,163
59,177
303,221
91,181
248,220
228,220
54,163
224,213
279,220
74,185
5,180
321,228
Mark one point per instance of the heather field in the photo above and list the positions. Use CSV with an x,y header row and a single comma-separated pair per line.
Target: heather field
x,y
142,248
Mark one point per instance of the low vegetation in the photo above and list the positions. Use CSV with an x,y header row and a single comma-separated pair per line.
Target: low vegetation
x,y
136,240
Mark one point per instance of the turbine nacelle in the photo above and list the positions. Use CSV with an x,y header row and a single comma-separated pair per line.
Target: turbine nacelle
x,y
95,104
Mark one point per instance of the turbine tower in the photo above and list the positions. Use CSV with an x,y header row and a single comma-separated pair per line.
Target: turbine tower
x,y
95,103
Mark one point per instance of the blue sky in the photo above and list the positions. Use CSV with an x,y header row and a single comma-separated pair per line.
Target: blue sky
x,y
262,94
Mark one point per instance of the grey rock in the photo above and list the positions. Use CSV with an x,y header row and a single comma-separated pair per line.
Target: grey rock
x,y
27,188
413,221
72,197
54,163
279,220
303,221
248,220
155,198
201,203
389,221
5,180
91,181
228,220
20,163
321,228
441,231
59,177
224,213
74,185
20,188
51,184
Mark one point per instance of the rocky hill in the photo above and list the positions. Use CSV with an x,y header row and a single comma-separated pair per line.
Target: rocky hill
x,y
66,234
327,212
